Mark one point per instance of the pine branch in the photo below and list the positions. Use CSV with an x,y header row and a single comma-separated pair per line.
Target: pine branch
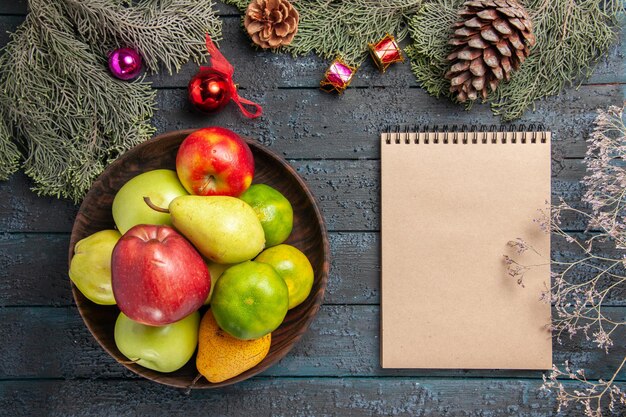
x,y
430,30
571,37
9,154
166,32
335,27
72,116
59,102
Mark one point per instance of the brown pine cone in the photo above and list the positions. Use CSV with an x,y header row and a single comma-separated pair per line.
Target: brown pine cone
x,y
271,23
491,39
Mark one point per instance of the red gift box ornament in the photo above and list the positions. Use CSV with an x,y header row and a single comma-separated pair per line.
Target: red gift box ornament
x,y
213,87
337,77
385,52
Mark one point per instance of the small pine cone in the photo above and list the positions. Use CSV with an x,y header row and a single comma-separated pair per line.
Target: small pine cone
x,y
271,23
491,39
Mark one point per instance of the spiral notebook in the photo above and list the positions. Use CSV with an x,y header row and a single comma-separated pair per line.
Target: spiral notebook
x,y
451,201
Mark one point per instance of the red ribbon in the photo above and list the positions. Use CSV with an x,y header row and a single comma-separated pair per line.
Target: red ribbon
x,y
222,66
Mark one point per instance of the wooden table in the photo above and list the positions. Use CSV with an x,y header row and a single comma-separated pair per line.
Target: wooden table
x,y
50,363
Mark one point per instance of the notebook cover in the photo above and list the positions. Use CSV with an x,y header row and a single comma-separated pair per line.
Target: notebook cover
x,y
448,211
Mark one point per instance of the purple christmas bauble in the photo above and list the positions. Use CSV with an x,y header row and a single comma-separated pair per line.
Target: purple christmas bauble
x,y
125,63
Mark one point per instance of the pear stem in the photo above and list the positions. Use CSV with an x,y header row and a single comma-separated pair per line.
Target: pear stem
x,y
155,207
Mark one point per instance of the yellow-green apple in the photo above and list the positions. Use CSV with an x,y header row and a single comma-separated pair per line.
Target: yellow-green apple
x,y
129,209
214,161
162,348
90,268
158,277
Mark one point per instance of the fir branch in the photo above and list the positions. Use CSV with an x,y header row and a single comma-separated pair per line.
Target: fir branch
x,y
430,30
336,27
571,37
166,32
67,114
71,115
9,154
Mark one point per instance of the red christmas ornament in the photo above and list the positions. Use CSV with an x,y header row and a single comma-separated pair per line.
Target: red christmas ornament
x,y
213,87
385,52
209,91
337,77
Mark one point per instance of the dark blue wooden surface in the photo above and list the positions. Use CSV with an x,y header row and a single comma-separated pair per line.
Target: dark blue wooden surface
x,y
50,364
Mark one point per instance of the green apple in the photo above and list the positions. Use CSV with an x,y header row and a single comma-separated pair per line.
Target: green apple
x,y
90,267
129,207
161,348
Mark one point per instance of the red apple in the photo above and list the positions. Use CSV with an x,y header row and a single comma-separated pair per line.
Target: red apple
x,y
215,161
158,277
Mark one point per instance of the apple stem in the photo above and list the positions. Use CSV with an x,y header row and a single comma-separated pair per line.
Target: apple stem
x,y
155,207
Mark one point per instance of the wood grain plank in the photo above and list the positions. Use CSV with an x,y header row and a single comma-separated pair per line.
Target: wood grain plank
x,y
8,24
346,397
33,269
347,190
14,7
303,123
342,341
23,210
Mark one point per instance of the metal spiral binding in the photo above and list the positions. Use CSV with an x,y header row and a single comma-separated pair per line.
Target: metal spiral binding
x,y
521,133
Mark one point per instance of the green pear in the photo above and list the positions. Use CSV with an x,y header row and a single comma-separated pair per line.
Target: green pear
x,y
224,229
90,268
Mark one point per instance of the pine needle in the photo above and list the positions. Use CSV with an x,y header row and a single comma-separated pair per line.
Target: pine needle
x,y
58,103
166,32
571,37
335,27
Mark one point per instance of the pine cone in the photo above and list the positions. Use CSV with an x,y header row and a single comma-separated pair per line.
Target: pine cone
x,y
491,39
271,23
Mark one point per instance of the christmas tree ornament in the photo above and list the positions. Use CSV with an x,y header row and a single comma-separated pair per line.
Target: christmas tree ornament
x,y
64,116
385,52
213,87
209,91
491,39
271,23
337,77
125,63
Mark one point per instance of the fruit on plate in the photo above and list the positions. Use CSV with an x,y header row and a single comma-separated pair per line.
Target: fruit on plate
x,y
235,356
158,277
215,161
250,300
294,267
129,209
90,267
224,229
274,212
161,348
216,270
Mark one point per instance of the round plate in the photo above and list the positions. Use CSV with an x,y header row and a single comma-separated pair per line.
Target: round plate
x,y
309,235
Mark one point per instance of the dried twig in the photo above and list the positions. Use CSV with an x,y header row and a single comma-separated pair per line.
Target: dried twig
x,y
582,287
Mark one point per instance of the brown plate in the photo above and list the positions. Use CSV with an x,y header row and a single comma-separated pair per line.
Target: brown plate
x,y
309,235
